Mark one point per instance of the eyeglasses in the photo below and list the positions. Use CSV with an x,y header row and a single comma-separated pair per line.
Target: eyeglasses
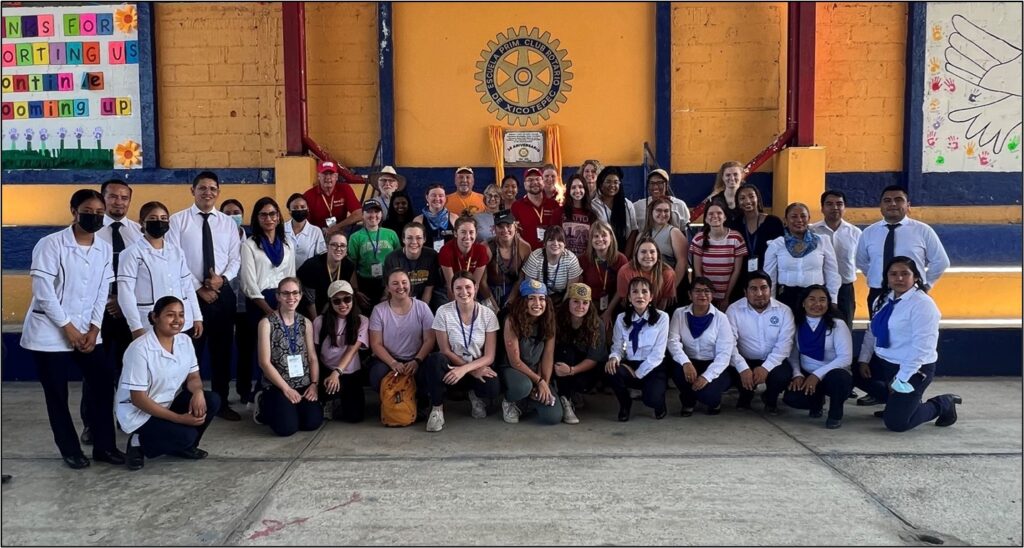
x,y
338,246
289,293
338,301
702,292
268,215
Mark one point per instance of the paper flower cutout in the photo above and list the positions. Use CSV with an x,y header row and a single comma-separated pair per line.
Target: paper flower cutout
x,y
126,19
128,154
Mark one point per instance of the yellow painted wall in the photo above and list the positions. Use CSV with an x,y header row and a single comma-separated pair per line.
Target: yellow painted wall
x,y
859,84
728,82
440,120
220,82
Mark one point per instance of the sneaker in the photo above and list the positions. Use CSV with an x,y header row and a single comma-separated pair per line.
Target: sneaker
x,y
867,400
479,408
256,401
228,414
436,421
568,413
509,412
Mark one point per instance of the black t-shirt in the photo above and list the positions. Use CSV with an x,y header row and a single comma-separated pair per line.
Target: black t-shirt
x,y
422,272
315,280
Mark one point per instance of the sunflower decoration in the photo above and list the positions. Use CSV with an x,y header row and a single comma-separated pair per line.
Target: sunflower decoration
x,y
126,19
128,154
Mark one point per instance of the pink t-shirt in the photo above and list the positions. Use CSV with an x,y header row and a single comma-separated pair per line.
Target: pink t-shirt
x,y
330,354
402,335
719,258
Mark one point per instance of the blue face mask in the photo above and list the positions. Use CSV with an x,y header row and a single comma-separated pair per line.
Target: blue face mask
x,y
902,387
237,219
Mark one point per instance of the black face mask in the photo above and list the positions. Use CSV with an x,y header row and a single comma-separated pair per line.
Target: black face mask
x,y
90,222
157,228
299,214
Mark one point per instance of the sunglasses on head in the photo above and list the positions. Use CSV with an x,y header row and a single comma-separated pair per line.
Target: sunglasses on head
x,y
341,300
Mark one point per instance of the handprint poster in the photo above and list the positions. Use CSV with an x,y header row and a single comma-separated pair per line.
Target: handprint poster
x,y
972,98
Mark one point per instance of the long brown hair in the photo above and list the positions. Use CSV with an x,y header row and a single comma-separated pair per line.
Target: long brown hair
x,y
589,332
521,322
657,278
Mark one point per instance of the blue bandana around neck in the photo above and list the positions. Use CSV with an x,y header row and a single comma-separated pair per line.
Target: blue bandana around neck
x,y
800,247
274,251
812,342
439,220
880,323
698,324
634,334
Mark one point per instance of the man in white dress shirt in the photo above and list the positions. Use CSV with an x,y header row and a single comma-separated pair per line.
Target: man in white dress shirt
x,y
120,232
844,237
764,330
209,241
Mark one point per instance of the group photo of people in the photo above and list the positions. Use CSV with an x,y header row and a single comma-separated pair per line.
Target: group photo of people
x,y
526,300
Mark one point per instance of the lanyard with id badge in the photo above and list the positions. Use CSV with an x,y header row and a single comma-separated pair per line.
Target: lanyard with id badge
x,y
295,366
467,340
376,269
331,219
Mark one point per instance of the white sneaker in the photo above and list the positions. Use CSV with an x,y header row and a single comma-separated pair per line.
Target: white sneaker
x,y
256,407
479,410
568,414
509,412
436,420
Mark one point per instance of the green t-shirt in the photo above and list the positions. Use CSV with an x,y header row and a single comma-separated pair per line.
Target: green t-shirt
x,y
368,248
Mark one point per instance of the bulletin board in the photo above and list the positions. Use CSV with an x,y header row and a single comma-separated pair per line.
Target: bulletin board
x,y
972,95
72,88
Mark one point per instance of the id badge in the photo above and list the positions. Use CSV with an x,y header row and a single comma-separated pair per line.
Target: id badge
x,y
295,366
438,244
752,264
604,303
376,270
540,233
330,221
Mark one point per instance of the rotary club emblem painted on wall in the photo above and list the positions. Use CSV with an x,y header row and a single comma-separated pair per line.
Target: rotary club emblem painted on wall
x,y
523,76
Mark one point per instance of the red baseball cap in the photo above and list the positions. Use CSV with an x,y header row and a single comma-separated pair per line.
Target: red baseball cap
x,y
326,167
532,171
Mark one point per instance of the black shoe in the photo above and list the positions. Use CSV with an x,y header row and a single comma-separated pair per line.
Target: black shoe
x,y
868,400
76,462
743,404
853,394
832,424
193,453
4,478
135,457
228,414
624,414
815,413
686,412
714,411
86,436
111,456
660,414
770,408
948,418
879,414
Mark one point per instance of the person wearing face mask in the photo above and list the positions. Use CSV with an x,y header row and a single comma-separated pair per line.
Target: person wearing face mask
x,y
71,275
658,187
399,212
150,269
897,360
368,248
385,183
464,201
800,258
535,212
639,341
577,216
306,239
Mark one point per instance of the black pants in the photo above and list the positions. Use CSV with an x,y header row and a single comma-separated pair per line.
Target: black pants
x,y
218,330
836,385
245,343
350,396
777,381
847,304
162,437
52,368
286,418
710,395
904,411
116,338
653,385
791,296
435,367
578,383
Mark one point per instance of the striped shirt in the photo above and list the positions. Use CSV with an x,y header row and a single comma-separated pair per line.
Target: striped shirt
x,y
719,258
558,275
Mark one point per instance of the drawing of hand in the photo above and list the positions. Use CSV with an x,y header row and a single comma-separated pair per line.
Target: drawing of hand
x,y
950,84
989,122
973,95
937,33
969,150
934,65
937,123
936,83
1013,144
931,138
933,105
983,59
954,142
983,159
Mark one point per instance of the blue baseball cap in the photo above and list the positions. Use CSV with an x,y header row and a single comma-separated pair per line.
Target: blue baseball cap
x,y
529,286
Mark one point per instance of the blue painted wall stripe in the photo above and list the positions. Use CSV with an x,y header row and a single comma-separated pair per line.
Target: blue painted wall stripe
x,y
386,80
663,85
913,94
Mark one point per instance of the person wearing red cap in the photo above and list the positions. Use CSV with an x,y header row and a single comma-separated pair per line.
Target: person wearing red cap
x,y
535,212
331,203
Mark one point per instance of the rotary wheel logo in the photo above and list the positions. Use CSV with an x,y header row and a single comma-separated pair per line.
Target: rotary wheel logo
x,y
523,76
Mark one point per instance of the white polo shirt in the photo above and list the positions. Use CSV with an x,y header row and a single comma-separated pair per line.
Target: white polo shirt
x,y
150,368
766,336
308,243
70,283
145,274
716,343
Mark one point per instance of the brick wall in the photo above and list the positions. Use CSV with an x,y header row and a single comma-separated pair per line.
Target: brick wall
x,y
220,82
728,82
859,85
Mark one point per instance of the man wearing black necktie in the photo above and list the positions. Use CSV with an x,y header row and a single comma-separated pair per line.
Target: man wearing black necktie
x,y
119,231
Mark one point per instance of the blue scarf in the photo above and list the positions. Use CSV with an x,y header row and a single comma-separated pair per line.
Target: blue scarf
x,y
439,221
274,251
880,324
634,334
800,247
698,325
812,342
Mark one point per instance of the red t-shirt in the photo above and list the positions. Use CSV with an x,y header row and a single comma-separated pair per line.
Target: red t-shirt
x,y
602,280
531,217
342,202
453,258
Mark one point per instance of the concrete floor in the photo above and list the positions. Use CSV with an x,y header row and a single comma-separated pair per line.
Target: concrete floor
x,y
740,478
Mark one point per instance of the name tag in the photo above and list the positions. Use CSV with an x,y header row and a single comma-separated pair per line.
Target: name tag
x,y
377,270
540,233
438,244
752,264
330,221
604,303
295,366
